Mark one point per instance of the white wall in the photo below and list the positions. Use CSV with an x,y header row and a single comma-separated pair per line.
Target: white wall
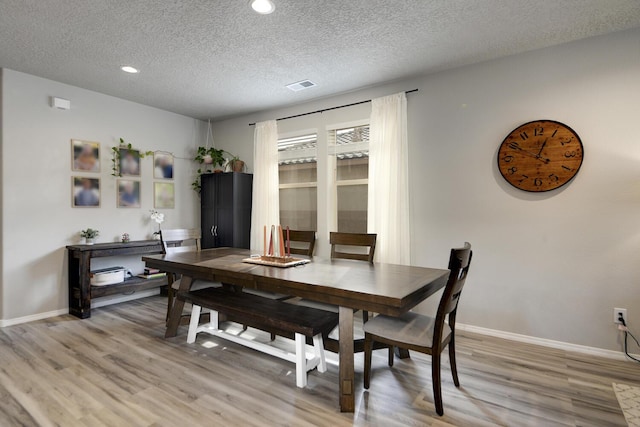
x,y
550,265
38,220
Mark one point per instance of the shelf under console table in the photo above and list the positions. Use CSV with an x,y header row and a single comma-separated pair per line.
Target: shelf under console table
x,y
80,289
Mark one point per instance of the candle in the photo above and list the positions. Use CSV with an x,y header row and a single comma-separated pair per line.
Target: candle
x,y
271,241
288,243
281,246
264,241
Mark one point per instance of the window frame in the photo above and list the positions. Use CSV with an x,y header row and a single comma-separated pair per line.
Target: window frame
x,y
332,168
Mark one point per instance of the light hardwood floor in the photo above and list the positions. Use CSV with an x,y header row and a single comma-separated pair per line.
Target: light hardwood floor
x,y
116,369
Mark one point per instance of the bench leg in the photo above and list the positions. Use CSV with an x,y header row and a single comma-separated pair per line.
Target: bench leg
x,y
318,347
213,319
193,324
301,361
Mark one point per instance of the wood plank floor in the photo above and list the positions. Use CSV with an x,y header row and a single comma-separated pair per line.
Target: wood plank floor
x,y
116,369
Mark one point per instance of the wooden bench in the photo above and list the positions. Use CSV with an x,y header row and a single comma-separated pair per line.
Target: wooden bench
x,y
266,314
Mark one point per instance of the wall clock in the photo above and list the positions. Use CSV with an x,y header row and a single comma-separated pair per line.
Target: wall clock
x,y
540,156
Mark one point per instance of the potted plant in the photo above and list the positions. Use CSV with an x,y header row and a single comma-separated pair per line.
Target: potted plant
x,y
159,219
210,160
89,235
235,164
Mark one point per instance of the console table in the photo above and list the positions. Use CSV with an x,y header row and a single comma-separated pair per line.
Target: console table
x,y
80,289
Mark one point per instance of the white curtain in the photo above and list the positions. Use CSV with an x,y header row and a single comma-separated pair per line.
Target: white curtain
x,y
266,198
388,206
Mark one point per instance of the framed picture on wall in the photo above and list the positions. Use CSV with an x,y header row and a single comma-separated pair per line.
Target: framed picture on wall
x,y
164,195
85,192
129,162
162,165
128,193
85,156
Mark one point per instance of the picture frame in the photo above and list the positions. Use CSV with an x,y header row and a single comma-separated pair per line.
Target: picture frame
x,y
128,193
129,162
85,156
85,192
163,165
164,195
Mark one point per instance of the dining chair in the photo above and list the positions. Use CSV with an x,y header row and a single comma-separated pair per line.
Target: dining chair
x,y
304,242
181,240
353,246
423,333
340,244
343,244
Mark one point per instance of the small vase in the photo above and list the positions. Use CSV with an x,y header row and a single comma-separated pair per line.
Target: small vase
x,y
90,240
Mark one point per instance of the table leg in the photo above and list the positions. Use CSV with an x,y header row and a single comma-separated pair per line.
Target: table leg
x,y
346,371
176,310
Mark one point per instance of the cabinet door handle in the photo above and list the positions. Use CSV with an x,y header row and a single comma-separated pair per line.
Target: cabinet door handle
x,y
214,230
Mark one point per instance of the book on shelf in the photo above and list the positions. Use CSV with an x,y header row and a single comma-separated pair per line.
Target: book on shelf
x,y
152,276
151,271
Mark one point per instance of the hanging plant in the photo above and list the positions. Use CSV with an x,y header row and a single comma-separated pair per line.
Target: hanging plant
x,y
127,148
208,157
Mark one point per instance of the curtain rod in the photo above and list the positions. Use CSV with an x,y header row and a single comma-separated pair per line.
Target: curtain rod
x,y
329,109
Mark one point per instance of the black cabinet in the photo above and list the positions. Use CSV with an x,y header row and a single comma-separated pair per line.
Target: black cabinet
x,y
226,209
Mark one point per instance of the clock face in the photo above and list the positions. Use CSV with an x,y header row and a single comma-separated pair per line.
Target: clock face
x,y
540,156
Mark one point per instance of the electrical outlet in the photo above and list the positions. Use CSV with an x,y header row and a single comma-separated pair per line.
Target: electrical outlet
x,y
616,315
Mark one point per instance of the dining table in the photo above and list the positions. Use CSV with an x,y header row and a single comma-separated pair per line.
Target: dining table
x,y
388,289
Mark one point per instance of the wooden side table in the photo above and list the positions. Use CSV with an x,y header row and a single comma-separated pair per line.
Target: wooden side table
x,y
80,289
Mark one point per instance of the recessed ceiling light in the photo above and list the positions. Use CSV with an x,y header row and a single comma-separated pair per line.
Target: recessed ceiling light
x,y
263,7
129,69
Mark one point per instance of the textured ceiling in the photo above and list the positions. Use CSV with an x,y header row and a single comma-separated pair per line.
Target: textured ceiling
x,y
217,58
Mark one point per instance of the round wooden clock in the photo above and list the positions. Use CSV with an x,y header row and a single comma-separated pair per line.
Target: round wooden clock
x,y
540,156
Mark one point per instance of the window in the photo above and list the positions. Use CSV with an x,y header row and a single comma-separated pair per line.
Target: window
x,y
298,182
347,186
350,149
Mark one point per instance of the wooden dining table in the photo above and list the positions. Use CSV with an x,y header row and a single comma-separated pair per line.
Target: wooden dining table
x,y
380,288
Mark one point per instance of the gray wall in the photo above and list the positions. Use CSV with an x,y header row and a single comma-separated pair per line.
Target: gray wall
x,y
550,265
37,217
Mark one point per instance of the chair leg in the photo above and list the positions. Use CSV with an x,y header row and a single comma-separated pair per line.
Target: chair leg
x,y
452,361
368,349
390,355
365,316
435,379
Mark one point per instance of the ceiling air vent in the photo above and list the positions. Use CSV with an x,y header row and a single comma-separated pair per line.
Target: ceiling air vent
x,y
304,84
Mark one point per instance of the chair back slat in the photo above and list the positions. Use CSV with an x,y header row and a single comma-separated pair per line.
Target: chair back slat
x,y
361,240
459,262
304,242
180,240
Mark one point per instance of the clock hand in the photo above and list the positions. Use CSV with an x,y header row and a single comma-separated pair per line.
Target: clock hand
x,y
515,146
542,148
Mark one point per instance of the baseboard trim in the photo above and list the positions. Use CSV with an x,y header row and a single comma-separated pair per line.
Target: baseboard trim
x,y
95,304
560,345
32,318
